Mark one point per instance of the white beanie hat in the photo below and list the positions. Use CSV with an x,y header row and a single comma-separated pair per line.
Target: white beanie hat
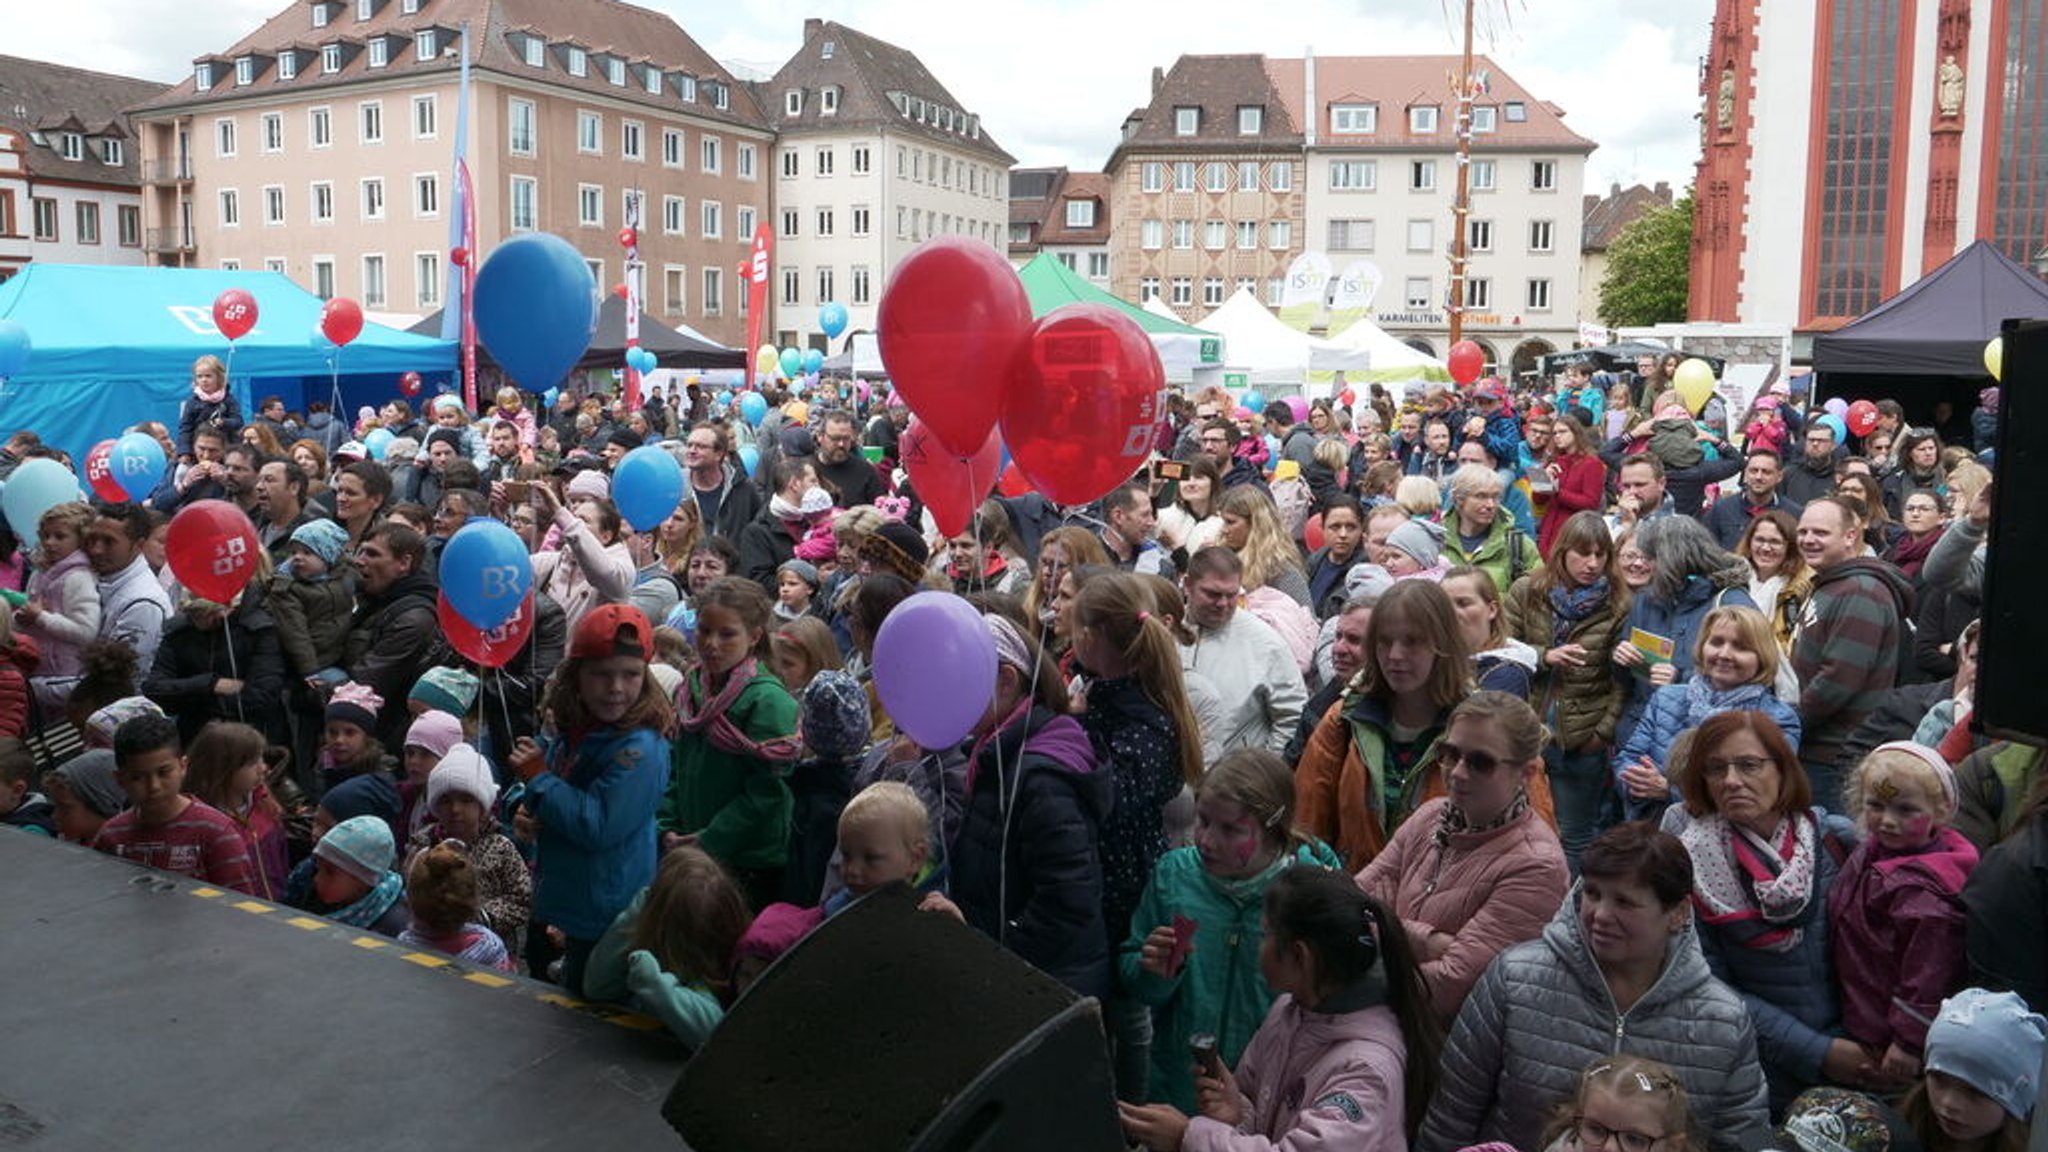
x,y
465,771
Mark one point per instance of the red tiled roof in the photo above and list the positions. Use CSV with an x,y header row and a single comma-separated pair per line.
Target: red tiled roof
x,y
1077,186
1397,83
867,71
1218,86
36,96
1607,216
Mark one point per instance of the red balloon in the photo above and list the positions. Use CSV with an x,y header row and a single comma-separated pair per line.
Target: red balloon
x,y
628,237
459,256
99,474
951,486
1013,482
492,648
950,325
1862,418
1084,403
234,313
409,384
620,290
1347,397
341,320
1312,532
1466,361
213,549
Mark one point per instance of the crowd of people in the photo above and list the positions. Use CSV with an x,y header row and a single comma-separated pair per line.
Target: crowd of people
x,y
1553,766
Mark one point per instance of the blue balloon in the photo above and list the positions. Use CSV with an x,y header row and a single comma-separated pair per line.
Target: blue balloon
x,y
832,318
375,443
646,486
485,573
1835,422
813,360
536,310
724,399
14,350
1253,401
138,464
34,488
750,458
753,409
792,361
550,396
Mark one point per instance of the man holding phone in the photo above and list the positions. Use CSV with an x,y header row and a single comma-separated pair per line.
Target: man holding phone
x,y
1128,533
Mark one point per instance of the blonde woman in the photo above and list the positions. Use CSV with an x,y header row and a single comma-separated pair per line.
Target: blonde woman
x,y
1251,528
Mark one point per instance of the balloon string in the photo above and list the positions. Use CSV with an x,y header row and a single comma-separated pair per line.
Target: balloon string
x,y
505,708
228,634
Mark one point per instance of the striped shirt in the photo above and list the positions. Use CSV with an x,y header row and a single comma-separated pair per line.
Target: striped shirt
x,y
199,842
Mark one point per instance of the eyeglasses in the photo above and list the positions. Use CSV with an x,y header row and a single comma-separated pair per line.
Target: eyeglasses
x,y
1593,1134
1747,767
1480,763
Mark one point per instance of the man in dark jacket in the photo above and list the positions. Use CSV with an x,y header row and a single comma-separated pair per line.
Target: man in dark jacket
x,y
204,671
1813,475
727,501
1729,516
1220,439
396,634
840,462
1853,639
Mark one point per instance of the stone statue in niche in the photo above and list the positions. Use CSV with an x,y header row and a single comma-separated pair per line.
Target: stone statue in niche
x,y
1948,88
1724,101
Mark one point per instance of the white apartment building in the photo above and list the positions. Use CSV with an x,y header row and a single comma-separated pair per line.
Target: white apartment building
x,y
70,174
873,157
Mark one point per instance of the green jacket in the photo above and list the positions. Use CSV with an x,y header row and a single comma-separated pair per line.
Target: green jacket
x,y
1219,989
1581,704
1506,554
739,807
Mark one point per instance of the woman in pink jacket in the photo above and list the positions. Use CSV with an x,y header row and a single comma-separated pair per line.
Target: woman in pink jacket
x,y
1347,1057
1476,871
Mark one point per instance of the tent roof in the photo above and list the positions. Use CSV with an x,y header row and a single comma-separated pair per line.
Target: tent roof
x,y
1391,359
1261,342
1052,284
1939,325
671,348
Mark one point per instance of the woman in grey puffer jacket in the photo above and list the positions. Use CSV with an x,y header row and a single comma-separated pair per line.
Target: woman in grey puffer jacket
x,y
1618,969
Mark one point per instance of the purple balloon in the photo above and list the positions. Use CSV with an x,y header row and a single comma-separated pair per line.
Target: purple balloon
x,y
1299,406
935,668
1836,406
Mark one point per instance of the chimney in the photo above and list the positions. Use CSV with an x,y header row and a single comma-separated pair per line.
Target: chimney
x,y
1158,79
812,27
1614,190
1664,191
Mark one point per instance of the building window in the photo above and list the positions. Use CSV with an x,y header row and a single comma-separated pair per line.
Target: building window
x,y
111,153
596,269
1485,176
709,153
1152,176
372,122
230,209
128,219
743,222
323,277
1415,293
1280,178
675,280
202,76
721,97
71,146
330,58
1251,119
273,204
272,126
672,215
426,117
862,220
1479,235
1247,235
1539,295
1148,289
1187,121
792,223
1543,175
671,148
1098,265
590,133
793,102
1478,293
1541,236
792,164
373,198
1421,235
712,224
1184,177
1152,235
1248,176
426,274
862,286
1212,291
44,209
825,226
323,202
1354,175
576,60
1280,235
1184,234
792,286
1276,286
1354,119
534,51
1216,177
1215,235
615,71
1515,112
826,288
1351,235
743,160
427,46
1422,175
686,89
224,138
379,53
590,205
630,133
426,195
365,10
1483,117
373,282
1183,288
824,162
520,118
288,65
714,292
863,162
274,264
1080,213
524,194
88,222
1422,118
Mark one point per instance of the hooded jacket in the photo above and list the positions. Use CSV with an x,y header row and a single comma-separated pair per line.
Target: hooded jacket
x,y
1316,1082
597,840
395,637
2006,900
1252,665
1510,668
1581,704
70,600
34,815
312,616
1853,640
1805,481
1899,931
1506,553
18,662
739,501
1026,869
1543,1012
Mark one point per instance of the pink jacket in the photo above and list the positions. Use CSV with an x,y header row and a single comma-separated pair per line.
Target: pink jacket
x,y
69,595
1315,1083
1488,890
1898,925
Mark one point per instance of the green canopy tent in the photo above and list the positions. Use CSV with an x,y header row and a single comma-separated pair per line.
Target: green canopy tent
x,y
1183,348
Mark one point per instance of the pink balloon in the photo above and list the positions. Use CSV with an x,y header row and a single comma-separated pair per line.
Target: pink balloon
x,y
1299,406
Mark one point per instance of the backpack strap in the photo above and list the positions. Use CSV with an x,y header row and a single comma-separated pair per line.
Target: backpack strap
x,y
1516,565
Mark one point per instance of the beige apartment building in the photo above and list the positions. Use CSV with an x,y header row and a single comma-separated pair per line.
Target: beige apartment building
x,y
321,145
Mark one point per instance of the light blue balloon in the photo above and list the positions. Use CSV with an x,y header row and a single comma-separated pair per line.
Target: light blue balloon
x,y
646,486
753,409
813,361
832,318
750,458
14,353
1254,401
792,361
550,396
536,309
375,443
138,464
724,399
34,488
486,573
1835,422
641,360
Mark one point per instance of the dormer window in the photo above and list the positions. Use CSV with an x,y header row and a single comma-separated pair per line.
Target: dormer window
x,y
428,45
652,79
793,102
409,7
320,15
1353,119
1251,119
287,65
366,9
720,98
534,51
1187,121
828,101
1483,117
826,52
245,70
202,77
686,89
578,61
1514,112
71,146
615,71
330,58
1422,118
380,52
113,153
1080,213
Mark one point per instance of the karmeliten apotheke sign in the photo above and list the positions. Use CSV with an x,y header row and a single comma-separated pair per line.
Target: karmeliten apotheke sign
x,y
1436,319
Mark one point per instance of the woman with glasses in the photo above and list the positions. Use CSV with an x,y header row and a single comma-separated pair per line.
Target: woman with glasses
x,y
1474,871
1617,971
1779,579
1920,524
1763,859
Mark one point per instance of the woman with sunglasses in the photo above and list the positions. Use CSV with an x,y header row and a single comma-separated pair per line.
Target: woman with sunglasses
x,y
1919,469
1473,871
1763,858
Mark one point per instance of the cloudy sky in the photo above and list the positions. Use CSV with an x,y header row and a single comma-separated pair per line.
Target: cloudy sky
x,y
1053,79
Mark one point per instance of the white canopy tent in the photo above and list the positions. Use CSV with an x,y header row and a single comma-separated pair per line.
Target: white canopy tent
x,y
1392,361
1271,354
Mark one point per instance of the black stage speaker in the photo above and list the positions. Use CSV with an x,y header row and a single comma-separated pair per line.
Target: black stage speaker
x,y
890,1028
2015,630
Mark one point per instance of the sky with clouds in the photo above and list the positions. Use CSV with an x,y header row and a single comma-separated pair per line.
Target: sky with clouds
x,y
1053,79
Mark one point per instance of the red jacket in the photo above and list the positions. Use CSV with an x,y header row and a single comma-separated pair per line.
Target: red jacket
x,y
1898,926
1581,487
17,664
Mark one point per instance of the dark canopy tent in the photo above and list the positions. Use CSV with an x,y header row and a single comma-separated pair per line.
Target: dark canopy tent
x,y
1926,344
672,349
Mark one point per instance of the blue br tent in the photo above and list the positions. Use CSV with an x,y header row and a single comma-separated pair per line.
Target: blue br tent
x,y
114,346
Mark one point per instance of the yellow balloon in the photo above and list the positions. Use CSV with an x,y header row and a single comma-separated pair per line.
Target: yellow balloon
x,y
1694,381
1994,357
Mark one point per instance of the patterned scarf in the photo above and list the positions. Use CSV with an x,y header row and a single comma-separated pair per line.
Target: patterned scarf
x,y
1568,606
1453,822
1759,893
709,718
374,903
